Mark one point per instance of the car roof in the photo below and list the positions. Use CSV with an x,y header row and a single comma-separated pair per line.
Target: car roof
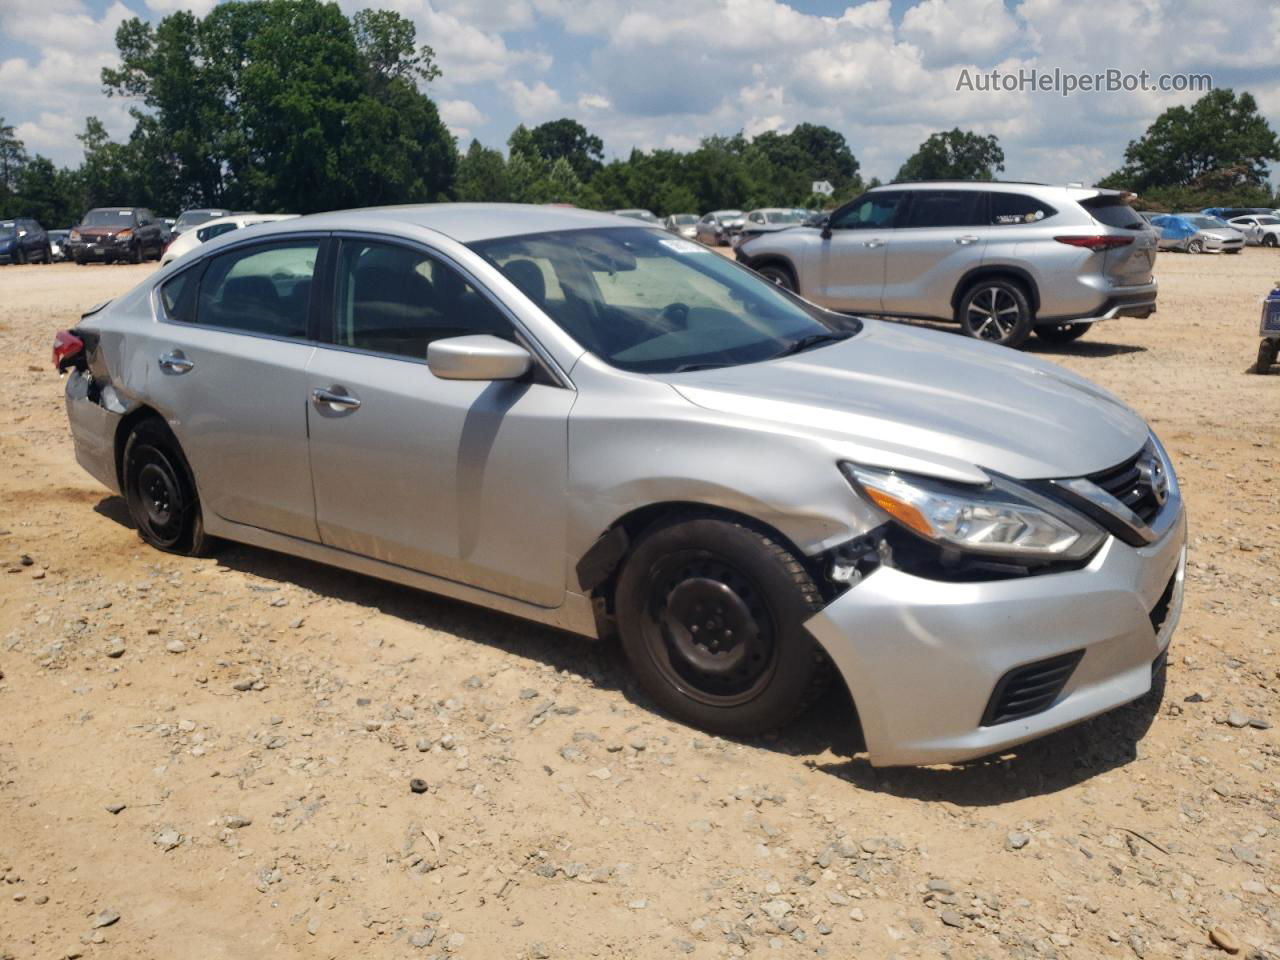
x,y
1004,186
463,222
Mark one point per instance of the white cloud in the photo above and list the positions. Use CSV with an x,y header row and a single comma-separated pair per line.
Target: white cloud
x,y
593,101
198,7
959,31
534,104
461,117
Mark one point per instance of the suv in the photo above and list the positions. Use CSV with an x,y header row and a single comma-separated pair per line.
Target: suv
x,y
117,233
24,241
1001,259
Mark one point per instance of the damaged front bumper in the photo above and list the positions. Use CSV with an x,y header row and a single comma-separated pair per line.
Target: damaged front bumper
x,y
930,664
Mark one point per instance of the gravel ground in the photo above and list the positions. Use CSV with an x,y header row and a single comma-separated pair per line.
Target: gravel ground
x,y
216,758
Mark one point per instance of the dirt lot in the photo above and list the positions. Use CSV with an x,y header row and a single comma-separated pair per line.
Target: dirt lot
x,y
211,758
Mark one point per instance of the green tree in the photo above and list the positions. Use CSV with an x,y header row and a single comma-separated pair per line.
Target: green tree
x,y
109,173
955,155
284,105
571,140
482,175
1220,131
13,157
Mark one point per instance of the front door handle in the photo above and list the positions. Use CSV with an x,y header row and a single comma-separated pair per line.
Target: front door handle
x,y
873,243
966,240
334,398
175,362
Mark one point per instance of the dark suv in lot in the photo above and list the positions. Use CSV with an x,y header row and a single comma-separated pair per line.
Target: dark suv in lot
x,y
23,241
117,233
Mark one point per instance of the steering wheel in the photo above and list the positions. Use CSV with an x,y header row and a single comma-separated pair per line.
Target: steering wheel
x,y
675,316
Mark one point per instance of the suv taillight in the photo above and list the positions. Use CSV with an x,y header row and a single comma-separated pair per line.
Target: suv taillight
x,y
1096,242
67,350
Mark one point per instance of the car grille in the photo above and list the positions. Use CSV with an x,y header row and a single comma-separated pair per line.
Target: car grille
x,y
1030,689
1129,484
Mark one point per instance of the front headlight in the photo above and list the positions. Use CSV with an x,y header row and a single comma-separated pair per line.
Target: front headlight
x,y
999,519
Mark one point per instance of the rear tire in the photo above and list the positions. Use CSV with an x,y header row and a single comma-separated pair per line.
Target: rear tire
x,y
161,493
711,615
19,257
996,311
1270,240
1062,332
48,255
779,275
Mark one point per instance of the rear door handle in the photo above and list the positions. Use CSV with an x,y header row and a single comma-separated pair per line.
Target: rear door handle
x,y
335,399
175,362
873,243
966,240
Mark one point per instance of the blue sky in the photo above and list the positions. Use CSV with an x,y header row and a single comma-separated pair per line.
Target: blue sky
x,y
663,73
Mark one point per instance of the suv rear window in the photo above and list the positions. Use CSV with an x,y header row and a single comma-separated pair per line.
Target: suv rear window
x,y
1009,208
1113,212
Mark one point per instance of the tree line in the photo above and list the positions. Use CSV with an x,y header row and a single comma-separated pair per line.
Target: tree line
x,y
291,105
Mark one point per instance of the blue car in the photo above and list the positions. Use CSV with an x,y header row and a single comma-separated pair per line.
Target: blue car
x,y
1197,233
24,241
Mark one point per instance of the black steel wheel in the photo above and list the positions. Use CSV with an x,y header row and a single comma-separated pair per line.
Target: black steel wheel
x,y
160,491
711,614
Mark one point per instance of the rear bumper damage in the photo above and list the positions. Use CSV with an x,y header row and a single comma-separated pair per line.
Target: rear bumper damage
x,y
94,413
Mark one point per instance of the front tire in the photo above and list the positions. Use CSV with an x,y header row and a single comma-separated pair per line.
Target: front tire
x,y
996,311
1195,246
161,492
779,275
711,615
1062,332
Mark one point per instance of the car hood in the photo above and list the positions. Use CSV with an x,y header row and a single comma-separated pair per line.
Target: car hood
x,y
97,233
1222,233
933,402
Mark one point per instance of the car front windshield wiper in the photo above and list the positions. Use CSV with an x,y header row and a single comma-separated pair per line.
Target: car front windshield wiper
x,y
809,342
690,367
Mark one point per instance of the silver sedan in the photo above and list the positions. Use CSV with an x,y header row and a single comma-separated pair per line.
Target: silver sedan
x,y
594,424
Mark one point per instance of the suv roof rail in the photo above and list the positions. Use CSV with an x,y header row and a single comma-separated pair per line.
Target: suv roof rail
x,y
1024,183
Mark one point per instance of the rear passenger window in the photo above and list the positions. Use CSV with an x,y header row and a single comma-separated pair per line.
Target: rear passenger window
x,y
396,300
1007,208
178,296
261,289
944,208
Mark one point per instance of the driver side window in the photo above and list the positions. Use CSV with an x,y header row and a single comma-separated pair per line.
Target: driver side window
x,y
396,300
872,211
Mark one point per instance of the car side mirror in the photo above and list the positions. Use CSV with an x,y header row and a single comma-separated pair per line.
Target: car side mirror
x,y
478,357
22,233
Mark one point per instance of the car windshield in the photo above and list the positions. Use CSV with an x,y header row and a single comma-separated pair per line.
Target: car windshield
x,y
107,218
728,214
684,219
1206,223
652,303
783,216
193,218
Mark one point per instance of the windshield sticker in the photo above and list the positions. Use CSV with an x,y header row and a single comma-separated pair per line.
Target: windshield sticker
x,y
684,246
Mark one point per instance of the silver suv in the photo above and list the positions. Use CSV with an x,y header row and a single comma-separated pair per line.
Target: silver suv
x,y
1001,259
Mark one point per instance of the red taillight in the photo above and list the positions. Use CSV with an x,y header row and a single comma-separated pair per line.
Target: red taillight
x,y
1096,242
66,347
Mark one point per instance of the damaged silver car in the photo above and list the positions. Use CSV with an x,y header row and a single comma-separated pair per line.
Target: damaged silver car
x,y
599,426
